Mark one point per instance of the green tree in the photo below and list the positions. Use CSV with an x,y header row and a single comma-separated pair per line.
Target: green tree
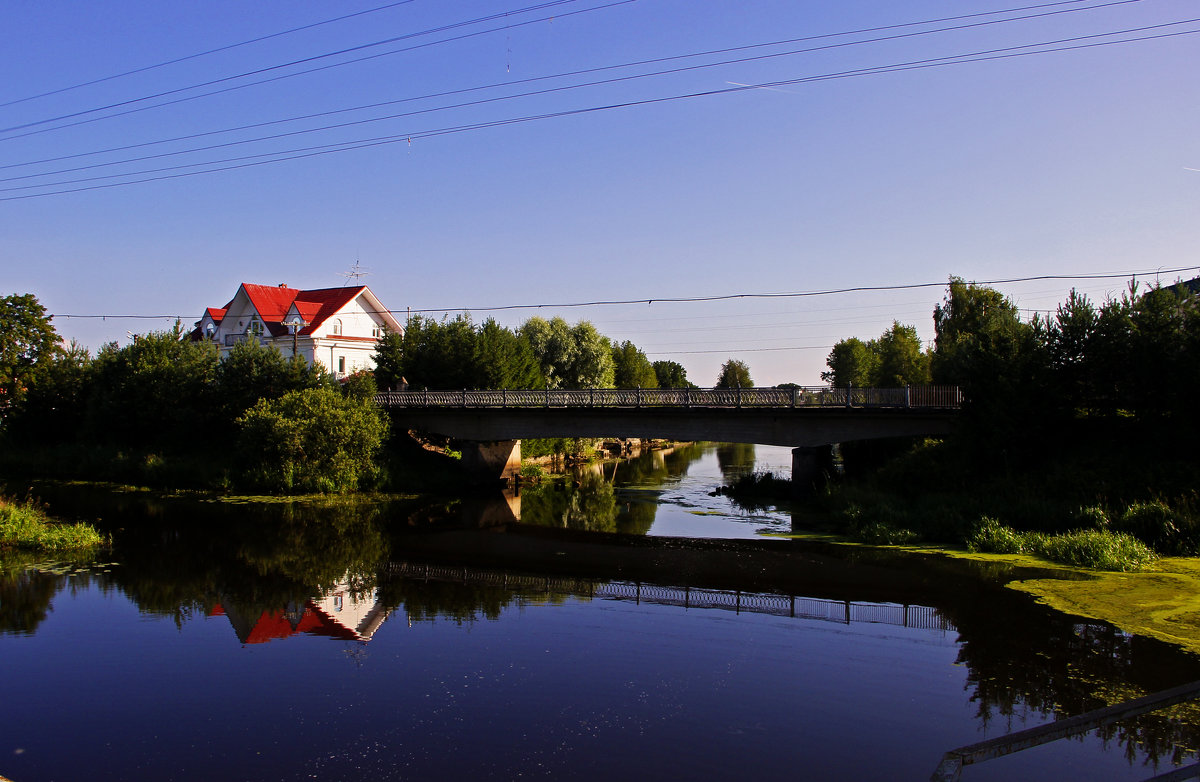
x,y
576,356
504,359
734,374
554,348
902,361
631,368
311,440
671,374
977,331
1069,343
438,354
155,391
982,346
54,409
389,369
593,364
251,371
28,343
360,385
851,362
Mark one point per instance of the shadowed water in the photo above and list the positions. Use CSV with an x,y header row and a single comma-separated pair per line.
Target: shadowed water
x,y
404,640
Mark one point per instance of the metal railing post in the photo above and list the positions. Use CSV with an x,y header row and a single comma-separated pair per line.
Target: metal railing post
x,y
908,396
849,393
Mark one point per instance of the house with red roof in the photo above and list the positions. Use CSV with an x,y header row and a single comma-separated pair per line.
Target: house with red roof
x,y
334,327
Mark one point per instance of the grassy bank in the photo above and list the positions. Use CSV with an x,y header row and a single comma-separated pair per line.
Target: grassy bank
x,y
24,526
1087,500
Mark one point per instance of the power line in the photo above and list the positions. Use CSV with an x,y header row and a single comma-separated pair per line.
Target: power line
x,y
483,101
197,55
724,297
507,26
582,72
301,61
315,151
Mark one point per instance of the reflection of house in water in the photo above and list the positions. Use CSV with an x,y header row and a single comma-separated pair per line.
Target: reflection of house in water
x,y
336,614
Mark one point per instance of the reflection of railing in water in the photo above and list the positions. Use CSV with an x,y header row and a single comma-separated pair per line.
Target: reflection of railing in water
x,y
841,611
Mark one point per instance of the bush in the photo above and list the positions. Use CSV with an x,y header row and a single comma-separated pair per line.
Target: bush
x,y
315,440
1091,517
993,537
1161,527
26,526
881,533
1098,549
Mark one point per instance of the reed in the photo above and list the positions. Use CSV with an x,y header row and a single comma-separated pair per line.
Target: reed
x,y
25,526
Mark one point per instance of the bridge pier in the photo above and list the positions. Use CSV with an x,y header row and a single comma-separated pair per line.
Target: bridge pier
x,y
494,460
811,468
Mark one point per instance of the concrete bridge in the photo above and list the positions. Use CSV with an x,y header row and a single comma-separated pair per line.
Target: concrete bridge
x,y
809,420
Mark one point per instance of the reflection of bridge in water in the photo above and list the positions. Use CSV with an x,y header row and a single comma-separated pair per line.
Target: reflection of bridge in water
x,y
793,606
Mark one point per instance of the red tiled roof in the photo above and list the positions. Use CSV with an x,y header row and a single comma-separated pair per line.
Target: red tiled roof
x,y
326,302
272,303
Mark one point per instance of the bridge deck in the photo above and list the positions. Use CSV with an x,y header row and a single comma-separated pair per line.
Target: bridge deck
x,y
910,397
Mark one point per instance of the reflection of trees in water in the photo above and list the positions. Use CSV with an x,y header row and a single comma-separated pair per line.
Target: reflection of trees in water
x,y
424,601
587,504
735,459
259,557
25,597
620,496
1024,658
1020,657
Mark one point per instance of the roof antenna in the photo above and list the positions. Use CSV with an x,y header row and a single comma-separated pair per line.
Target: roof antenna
x,y
356,272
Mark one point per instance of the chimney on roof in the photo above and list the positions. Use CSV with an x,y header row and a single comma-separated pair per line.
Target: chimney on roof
x,y
283,285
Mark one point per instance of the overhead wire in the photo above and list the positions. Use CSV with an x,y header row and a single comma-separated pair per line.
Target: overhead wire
x,y
580,72
280,66
731,296
318,150
205,53
484,101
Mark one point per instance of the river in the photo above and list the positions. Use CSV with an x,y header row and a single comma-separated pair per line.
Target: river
x,y
624,624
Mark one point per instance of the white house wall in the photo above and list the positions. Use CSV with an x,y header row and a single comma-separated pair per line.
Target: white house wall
x,y
341,354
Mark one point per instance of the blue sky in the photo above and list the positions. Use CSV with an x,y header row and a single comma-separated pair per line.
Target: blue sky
x,y
1062,163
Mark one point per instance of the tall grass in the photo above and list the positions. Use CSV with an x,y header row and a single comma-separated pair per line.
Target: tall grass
x,y
1099,549
24,526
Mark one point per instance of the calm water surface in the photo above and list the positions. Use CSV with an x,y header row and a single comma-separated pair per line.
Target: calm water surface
x,y
396,641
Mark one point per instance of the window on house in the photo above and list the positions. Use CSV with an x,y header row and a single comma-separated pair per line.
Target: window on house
x,y
337,327
256,326
341,365
377,332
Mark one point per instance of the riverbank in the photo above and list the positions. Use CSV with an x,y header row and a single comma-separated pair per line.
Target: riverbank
x,y
1161,601
26,527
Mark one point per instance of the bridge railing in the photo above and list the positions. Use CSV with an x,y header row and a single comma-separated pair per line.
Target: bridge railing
x,y
925,397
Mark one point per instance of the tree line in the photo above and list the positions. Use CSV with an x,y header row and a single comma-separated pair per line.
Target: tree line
x,y
1134,355
457,353
272,421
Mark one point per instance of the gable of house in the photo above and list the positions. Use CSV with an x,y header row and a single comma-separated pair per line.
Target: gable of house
x,y
337,327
